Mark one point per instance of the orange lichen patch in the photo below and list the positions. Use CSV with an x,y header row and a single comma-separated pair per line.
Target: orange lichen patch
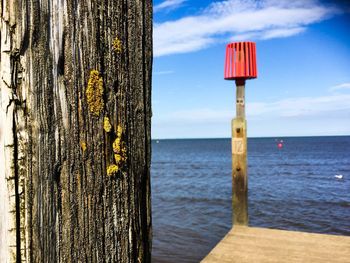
x,y
94,93
112,169
117,45
83,145
107,124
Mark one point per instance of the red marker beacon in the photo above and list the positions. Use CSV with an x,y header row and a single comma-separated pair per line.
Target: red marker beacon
x,y
240,63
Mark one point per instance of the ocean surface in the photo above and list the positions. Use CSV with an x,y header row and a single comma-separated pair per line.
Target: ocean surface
x,y
292,188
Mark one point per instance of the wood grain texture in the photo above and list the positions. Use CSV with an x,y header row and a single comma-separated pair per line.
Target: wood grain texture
x,y
239,172
239,159
249,244
59,204
240,99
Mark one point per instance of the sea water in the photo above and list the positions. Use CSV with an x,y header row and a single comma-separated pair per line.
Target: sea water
x,y
294,187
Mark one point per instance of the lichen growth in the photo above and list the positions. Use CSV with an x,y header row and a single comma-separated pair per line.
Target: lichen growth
x,y
116,145
119,131
117,45
120,153
112,169
94,93
83,145
123,152
117,158
107,126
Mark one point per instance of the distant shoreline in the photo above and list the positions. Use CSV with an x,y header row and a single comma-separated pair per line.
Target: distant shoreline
x,y
262,137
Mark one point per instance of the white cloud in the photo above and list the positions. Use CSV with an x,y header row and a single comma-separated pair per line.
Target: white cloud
x,y
288,108
203,115
238,19
269,34
301,107
168,4
340,87
322,115
284,32
165,72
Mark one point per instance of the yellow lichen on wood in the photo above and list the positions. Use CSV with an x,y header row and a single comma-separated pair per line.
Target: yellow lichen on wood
x,y
116,145
117,158
119,131
123,151
117,45
107,124
112,169
94,93
83,145
120,150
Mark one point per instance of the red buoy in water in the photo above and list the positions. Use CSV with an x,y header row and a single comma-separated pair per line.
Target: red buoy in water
x,y
279,145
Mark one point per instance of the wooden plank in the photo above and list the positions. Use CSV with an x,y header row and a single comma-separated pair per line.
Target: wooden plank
x,y
248,244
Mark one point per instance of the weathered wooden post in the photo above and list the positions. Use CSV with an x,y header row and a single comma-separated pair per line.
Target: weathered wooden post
x,y
240,64
75,131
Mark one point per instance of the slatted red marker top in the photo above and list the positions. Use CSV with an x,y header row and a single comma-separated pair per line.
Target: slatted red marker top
x,y
240,61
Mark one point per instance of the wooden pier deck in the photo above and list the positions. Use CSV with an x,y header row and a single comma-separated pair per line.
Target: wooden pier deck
x,y
259,245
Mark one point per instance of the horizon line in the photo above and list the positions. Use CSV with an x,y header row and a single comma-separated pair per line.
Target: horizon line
x,y
250,137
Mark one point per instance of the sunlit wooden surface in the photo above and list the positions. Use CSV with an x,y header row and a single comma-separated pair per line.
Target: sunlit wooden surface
x,y
250,244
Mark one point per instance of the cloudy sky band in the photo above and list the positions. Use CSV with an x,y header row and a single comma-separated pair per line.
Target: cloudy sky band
x,y
236,19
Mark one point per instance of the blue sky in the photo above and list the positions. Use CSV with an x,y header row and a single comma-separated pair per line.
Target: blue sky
x,y
303,56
